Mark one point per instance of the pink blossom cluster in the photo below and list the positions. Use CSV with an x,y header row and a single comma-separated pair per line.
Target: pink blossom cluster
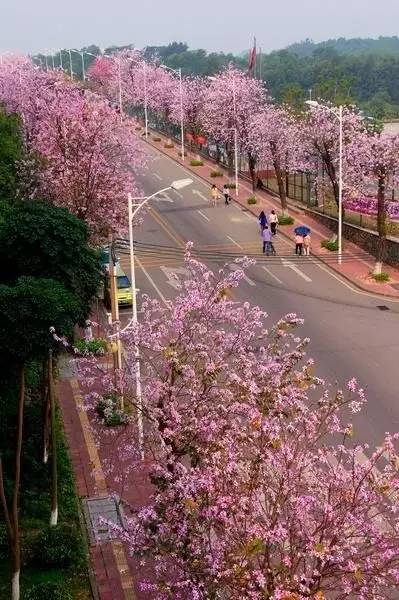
x,y
369,206
87,158
259,491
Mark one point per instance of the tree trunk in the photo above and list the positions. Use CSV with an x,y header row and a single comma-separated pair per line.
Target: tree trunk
x,y
54,479
230,159
381,224
45,411
252,171
281,187
11,516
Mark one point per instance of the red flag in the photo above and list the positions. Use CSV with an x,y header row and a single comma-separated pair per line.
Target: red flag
x,y
252,58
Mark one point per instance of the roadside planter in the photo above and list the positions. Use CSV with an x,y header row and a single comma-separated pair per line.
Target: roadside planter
x,y
94,347
108,408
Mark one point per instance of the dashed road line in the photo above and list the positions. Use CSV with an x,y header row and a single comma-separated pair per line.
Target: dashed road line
x,y
157,176
291,265
202,215
271,274
234,242
150,279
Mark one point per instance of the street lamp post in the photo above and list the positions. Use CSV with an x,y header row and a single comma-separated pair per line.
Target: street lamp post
x,y
133,210
235,137
179,73
70,64
339,115
81,54
145,90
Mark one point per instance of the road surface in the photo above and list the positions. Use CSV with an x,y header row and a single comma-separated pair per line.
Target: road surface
x,y
353,334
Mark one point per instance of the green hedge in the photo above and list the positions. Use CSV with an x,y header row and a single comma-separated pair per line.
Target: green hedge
x,y
216,174
252,200
329,245
382,277
285,220
196,163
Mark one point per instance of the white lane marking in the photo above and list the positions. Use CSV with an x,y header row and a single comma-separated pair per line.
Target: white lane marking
x,y
202,215
178,194
345,283
291,265
234,267
171,275
157,176
197,193
271,274
234,242
164,198
354,289
150,279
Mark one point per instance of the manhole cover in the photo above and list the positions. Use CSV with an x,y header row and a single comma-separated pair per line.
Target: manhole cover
x,y
383,307
98,509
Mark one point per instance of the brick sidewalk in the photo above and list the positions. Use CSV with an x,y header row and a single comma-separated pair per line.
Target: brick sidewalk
x,y
116,575
357,263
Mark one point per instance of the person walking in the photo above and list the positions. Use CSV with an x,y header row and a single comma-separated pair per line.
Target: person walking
x,y
226,194
214,194
262,220
298,244
306,244
267,241
273,220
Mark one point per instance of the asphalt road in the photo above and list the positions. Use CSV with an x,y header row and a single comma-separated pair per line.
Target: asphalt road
x,y
350,336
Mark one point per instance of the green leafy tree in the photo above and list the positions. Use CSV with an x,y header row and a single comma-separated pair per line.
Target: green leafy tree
x,y
28,309
41,240
11,152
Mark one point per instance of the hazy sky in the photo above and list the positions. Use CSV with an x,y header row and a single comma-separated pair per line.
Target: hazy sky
x,y
33,25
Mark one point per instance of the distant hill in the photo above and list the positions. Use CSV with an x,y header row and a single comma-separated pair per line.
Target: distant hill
x,y
354,46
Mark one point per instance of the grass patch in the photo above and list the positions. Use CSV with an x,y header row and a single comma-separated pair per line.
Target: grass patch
x,y
216,174
252,200
196,163
285,220
330,245
381,277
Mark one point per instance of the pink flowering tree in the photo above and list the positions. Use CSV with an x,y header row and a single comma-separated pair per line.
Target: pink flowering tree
x,y
194,94
232,100
87,158
373,164
321,141
274,139
258,491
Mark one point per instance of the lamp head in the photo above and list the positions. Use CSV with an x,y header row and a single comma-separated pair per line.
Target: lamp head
x,y
179,184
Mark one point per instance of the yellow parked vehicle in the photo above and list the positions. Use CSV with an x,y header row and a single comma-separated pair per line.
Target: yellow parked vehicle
x,y
124,289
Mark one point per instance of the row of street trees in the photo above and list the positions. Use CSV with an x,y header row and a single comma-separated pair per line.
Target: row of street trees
x,y
231,103
67,164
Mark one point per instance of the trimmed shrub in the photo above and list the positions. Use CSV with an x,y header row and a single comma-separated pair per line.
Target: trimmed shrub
x,y
138,128
252,200
156,139
231,186
58,546
97,346
381,277
47,591
330,245
285,220
168,146
196,163
216,174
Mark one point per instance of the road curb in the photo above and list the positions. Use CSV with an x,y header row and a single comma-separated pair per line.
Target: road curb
x,y
283,233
